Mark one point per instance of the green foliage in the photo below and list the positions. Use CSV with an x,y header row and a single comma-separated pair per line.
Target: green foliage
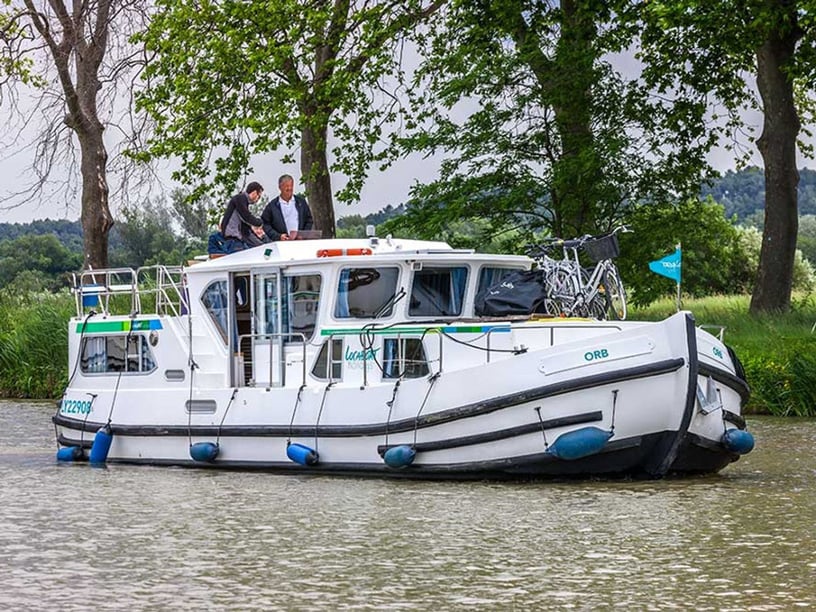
x,y
556,139
193,215
777,351
149,235
750,244
713,259
806,240
742,193
34,343
69,233
36,262
268,74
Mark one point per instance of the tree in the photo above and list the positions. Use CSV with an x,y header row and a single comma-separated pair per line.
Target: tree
x,y
276,76
36,262
712,48
85,44
559,140
153,233
713,259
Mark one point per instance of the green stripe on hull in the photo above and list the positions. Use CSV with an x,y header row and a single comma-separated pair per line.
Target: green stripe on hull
x,y
102,327
448,329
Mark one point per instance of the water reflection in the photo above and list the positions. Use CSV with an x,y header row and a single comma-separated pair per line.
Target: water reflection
x,y
161,538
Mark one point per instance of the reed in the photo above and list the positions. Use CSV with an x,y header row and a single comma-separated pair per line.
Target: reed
x,y
34,343
777,351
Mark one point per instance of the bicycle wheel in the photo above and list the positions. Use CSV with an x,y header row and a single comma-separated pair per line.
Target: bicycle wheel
x,y
615,294
559,290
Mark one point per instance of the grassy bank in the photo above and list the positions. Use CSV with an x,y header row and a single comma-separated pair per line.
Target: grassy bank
x,y
34,344
778,352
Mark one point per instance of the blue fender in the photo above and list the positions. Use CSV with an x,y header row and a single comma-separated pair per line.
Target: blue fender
x,y
399,456
580,443
301,454
205,452
738,441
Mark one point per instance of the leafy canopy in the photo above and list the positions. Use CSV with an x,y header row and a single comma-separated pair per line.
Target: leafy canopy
x,y
229,80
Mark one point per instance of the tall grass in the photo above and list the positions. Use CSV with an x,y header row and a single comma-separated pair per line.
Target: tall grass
x,y
34,343
778,351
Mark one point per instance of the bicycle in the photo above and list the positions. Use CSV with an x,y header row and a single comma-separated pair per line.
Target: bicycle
x,y
573,290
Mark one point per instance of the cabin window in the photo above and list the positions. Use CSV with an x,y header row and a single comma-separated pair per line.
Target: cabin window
x,y
438,292
114,354
329,362
404,358
489,276
366,293
299,308
216,303
302,300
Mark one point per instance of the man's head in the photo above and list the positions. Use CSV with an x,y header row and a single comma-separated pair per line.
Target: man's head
x,y
286,184
254,191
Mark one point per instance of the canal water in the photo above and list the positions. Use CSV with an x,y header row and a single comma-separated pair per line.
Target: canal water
x,y
74,537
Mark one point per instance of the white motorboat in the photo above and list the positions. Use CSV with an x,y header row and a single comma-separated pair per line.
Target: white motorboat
x,y
367,357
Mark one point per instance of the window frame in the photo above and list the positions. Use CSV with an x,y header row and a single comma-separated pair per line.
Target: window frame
x,y
463,298
144,350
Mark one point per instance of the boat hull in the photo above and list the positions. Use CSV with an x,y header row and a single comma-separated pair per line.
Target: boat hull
x,y
639,388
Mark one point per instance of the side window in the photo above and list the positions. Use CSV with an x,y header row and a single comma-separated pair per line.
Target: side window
x,y
438,292
366,293
109,354
489,276
329,362
215,301
404,357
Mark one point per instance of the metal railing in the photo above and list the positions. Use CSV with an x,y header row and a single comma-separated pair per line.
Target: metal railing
x,y
280,362
121,291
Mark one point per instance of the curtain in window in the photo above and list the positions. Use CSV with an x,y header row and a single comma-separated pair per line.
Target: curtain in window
x,y
391,364
457,293
95,355
341,309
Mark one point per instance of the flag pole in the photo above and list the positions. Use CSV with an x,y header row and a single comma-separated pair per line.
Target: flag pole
x,y
679,248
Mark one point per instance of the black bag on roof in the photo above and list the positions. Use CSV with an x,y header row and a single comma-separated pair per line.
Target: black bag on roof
x,y
520,292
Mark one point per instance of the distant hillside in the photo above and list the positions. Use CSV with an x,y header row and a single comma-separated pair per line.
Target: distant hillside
x,y
743,193
69,233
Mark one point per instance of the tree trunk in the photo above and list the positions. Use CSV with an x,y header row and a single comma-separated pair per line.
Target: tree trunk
x,y
777,145
96,217
315,170
578,171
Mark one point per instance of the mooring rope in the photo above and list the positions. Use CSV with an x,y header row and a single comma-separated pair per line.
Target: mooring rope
x,y
390,405
320,412
294,411
431,380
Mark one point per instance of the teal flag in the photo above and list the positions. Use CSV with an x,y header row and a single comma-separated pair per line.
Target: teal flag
x,y
670,265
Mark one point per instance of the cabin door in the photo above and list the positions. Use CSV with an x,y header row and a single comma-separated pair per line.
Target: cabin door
x,y
268,331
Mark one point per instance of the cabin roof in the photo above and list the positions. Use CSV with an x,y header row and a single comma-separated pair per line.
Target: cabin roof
x,y
326,250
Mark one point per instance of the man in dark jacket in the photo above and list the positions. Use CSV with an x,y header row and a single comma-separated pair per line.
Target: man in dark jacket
x,y
239,224
287,214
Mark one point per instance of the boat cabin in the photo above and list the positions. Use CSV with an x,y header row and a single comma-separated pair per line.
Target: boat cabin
x,y
286,313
